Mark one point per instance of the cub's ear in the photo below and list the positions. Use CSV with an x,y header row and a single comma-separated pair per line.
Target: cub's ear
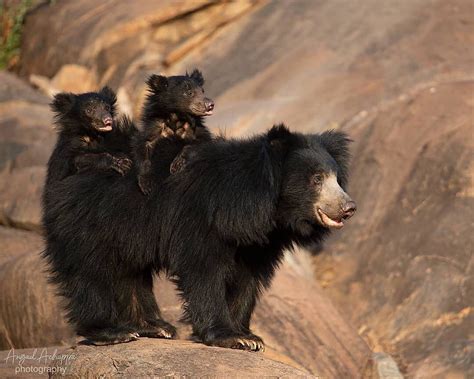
x,y
280,138
196,75
63,102
337,145
157,82
109,95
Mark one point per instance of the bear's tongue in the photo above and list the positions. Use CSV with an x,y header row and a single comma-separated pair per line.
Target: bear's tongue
x,y
329,222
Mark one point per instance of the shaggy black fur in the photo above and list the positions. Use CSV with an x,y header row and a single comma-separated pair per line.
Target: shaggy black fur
x,y
175,106
219,229
89,136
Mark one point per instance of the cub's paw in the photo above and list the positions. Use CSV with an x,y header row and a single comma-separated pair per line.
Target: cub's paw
x,y
248,342
166,132
184,130
121,165
158,329
112,339
145,183
180,162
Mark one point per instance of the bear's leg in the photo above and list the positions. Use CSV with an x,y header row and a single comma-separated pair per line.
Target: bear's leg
x,y
154,326
206,307
242,297
101,309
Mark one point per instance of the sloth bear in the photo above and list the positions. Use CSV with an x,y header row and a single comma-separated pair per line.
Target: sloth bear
x,y
218,228
174,107
89,136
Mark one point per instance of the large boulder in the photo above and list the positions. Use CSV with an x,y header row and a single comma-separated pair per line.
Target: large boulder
x,y
27,139
119,43
16,242
143,359
403,268
159,358
396,75
299,325
30,313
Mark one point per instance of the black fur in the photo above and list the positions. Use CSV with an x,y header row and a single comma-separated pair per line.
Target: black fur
x,y
175,107
219,228
82,143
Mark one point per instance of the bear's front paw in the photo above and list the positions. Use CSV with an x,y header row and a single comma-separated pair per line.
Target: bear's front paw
x,y
249,342
184,130
158,329
113,339
121,165
145,183
167,132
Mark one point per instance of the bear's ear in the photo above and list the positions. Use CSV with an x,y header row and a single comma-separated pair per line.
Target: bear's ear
x,y
63,102
280,138
157,82
337,145
109,95
196,75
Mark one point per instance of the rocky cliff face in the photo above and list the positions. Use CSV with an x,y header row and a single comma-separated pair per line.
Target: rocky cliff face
x,y
397,76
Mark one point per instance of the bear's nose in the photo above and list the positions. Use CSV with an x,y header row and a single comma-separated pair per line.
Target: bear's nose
x,y
349,209
107,120
209,105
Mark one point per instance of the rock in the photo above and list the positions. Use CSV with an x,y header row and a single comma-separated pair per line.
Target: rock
x,y
30,363
161,358
145,358
70,78
395,75
296,319
27,139
299,325
382,366
120,45
30,314
315,64
74,78
404,264
43,84
15,89
17,242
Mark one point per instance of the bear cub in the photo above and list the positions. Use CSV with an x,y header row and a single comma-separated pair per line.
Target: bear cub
x,y
90,138
173,110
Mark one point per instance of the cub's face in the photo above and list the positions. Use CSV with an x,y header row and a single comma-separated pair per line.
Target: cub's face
x,y
313,193
180,94
94,110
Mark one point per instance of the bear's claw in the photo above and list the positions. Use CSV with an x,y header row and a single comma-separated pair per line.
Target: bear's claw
x,y
249,342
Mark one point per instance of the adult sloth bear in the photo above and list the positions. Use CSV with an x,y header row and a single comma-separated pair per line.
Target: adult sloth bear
x,y
219,228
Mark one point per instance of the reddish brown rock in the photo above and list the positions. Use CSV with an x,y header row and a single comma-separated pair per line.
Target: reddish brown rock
x,y
161,358
122,42
30,363
16,242
317,65
27,138
403,269
297,320
395,75
30,314
299,325
145,358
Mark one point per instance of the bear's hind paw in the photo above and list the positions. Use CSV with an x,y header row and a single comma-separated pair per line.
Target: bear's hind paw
x,y
249,342
112,339
158,329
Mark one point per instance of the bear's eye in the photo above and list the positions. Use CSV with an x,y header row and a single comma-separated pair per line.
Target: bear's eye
x,y
317,178
189,93
107,107
89,111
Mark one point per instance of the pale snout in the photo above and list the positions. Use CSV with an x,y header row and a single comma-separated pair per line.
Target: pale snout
x,y
333,205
